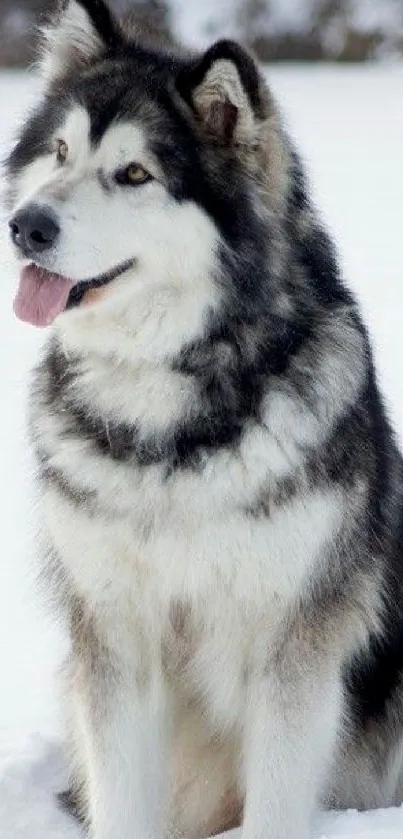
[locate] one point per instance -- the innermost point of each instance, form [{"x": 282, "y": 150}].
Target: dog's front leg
[
  {"x": 291, "y": 726},
  {"x": 124, "y": 724}
]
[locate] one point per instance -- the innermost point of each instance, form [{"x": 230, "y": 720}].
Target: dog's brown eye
[
  {"x": 134, "y": 175},
  {"x": 62, "y": 151}
]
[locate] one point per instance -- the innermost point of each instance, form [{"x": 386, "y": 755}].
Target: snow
[
  {"x": 197, "y": 23},
  {"x": 349, "y": 124},
  {"x": 368, "y": 15}
]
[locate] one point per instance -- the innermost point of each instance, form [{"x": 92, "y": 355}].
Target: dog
[{"x": 221, "y": 496}]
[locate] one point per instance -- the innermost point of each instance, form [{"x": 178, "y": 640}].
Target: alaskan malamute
[{"x": 222, "y": 497}]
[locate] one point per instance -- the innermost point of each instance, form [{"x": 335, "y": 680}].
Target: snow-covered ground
[{"x": 349, "y": 123}]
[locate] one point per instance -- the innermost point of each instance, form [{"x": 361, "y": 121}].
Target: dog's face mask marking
[
  {"x": 95, "y": 214},
  {"x": 108, "y": 179}
]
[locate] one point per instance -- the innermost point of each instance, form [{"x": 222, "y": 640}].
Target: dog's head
[{"x": 139, "y": 170}]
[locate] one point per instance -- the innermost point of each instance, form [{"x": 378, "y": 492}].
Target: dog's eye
[
  {"x": 62, "y": 151},
  {"x": 133, "y": 175}
]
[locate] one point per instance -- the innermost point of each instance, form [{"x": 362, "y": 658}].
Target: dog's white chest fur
[
  {"x": 195, "y": 533},
  {"x": 174, "y": 540}
]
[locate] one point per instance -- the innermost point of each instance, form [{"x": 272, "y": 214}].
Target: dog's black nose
[{"x": 34, "y": 229}]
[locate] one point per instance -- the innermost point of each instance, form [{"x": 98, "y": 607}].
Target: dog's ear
[
  {"x": 81, "y": 32},
  {"x": 224, "y": 90}
]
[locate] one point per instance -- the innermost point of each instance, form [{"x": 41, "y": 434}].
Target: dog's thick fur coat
[{"x": 222, "y": 498}]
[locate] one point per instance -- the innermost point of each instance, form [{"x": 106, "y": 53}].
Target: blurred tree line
[
  {"x": 277, "y": 30},
  {"x": 21, "y": 19}
]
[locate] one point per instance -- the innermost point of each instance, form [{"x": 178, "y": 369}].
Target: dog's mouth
[{"x": 43, "y": 295}]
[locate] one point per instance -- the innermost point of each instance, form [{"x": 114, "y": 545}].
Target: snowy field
[{"x": 349, "y": 123}]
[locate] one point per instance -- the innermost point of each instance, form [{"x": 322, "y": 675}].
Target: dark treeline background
[{"x": 303, "y": 30}]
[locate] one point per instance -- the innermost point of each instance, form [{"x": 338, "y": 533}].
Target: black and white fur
[{"x": 222, "y": 498}]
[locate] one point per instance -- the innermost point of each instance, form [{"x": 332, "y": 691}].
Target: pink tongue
[{"x": 41, "y": 296}]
